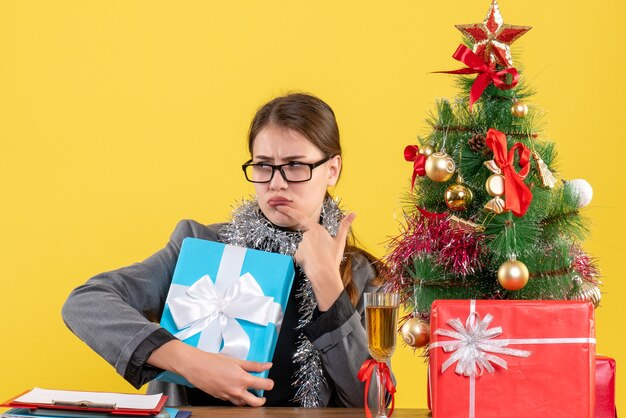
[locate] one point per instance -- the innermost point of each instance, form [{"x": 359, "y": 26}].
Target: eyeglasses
[{"x": 293, "y": 172}]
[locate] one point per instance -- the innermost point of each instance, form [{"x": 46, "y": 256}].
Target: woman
[{"x": 296, "y": 156}]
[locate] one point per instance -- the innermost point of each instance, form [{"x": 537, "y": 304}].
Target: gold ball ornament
[
  {"x": 458, "y": 197},
  {"x": 416, "y": 332},
  {"x": 495, "y": 185},
  {"x": 427, "y": 150},
  {"x": 439, "y": 167},
  {"x": 519, "y": 109},
  {"x": 589, "y": 292},
  {"x": 513, "y": 275}
]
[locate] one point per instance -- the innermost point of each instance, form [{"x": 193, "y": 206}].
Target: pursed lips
[{"x": 278, "y": 201}]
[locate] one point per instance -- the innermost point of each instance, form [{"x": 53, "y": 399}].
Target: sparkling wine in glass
[{"x": 381, "y": 317}]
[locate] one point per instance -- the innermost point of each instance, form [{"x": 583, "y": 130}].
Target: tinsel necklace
[{"x": 250, "y": 228}]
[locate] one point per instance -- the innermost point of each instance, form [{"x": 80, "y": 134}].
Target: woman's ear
[{"x": 334, "y": 169}]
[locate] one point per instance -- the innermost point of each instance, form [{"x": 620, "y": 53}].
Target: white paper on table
[{"x": 121, "y": 400}]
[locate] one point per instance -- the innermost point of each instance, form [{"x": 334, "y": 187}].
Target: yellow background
[{"x": 119, "y": 118}]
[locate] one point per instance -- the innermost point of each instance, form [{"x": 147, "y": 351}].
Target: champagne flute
[{"x": 381, "y": 317}]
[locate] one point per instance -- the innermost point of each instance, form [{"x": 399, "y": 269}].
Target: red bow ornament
[
  {"x": 486, "y": 73},
  {"x": 517, "y": 195},
  {"x": 432, "y": 215},
  {"x": 411, "y": 153},
  {"x": 365, "y": 375}
]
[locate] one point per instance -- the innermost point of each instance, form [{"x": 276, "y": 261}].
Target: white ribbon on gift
[
  {"x": 212, "y": 309},
  {"x": 473, "y": 343}
]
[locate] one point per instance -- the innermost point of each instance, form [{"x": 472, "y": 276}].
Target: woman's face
[{"x": 278, "y": 145}]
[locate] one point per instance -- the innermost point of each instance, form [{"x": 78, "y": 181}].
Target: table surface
[{"x": 216, "y": 411}]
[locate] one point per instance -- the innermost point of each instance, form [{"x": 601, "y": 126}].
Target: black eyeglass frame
[{"x": 279, "y": 167}]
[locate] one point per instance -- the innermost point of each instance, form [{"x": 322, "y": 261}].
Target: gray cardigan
[{"x": 117, "y": 313}]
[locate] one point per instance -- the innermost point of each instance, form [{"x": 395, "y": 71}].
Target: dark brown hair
[
  {"x": 315, "y": 120},
  {"x": 303, "y": 113}
]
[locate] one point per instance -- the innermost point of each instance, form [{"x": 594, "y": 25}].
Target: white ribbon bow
[
  {"x": 212, "y": 309},
  {"x": 473, "y": 345}
]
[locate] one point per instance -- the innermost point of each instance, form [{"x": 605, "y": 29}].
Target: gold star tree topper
[{"x": 492, "y": 37}]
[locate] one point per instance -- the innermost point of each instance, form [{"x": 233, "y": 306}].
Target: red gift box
[
  {"x": 512, "y": 359},
  {"x": 605, "y": 387}
]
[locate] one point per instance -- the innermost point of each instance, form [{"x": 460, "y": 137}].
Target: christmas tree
[{"x": 487, "y": 215}]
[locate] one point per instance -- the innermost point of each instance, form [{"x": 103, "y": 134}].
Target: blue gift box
[{"x": 227, "y": 299}]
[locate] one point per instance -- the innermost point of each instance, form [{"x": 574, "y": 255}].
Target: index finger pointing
[{"x": 344, "y": 227}]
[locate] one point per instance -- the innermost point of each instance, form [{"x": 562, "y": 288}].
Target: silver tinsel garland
[{"x": 250, "y": 228}]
